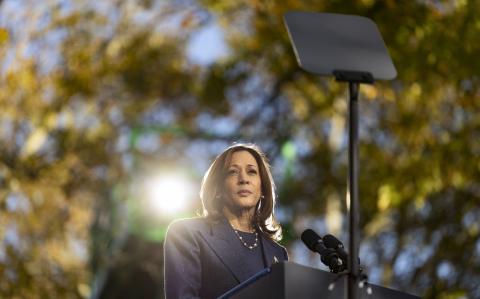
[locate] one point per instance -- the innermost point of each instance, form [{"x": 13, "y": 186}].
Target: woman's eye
[
  {"x": 232, "y": 172},
  {"x": 252, "y": 171}
]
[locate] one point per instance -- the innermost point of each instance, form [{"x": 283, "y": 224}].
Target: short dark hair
[{"x": 213, "y": 184}]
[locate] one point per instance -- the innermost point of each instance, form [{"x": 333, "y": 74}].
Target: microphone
[
  {"x": 334, "y": 243},
  {"x": 328, "y": 256}
]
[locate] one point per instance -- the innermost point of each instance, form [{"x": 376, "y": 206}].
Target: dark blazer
[{"x": 202, "y": 258}]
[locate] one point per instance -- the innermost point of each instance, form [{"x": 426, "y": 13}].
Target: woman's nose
[{"x": 243, "y": 178}]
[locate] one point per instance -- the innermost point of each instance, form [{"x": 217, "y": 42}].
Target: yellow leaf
[
  {"x": 51, "y": 120},
  {"x": 34, "y": 142},
  {"x": 3, "y": 35},
  {"x": 387, "y": 197},
  {"x": 84, "y": 290}
]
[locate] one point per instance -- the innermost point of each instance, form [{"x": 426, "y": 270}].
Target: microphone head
[
  {"x": 328, "y": 256},
  {"x": 310, "y": 239},
  {"x": 332, "y": 242},
  {"x": 335, "y": 244}
]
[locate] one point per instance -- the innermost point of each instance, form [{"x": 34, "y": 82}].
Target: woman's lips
[{"x": 244, "y": 192}]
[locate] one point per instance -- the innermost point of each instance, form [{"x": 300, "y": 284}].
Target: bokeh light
[{"x": 169, "y": 194}]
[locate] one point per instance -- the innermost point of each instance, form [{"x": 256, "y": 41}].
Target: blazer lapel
[
  {"x": 271, "y": 254},
  {"x": 224, "y": 243}
]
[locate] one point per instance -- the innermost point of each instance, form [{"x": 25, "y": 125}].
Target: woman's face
[{"x": 243, "y": 182}]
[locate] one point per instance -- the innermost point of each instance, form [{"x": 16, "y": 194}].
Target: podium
[{"x": 288, "y": 280}]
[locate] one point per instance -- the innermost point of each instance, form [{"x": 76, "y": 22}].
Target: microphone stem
[{"x": 352, "y": 291}]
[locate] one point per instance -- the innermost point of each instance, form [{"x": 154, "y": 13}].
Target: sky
[{"x": 207, "y": 45}]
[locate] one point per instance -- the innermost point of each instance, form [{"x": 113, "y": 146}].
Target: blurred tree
[
  {"x": 94, "y": 94},
  {"x": 76, "y": 79}
]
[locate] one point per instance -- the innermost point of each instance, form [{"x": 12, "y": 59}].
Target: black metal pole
[{"x": 353, "y": 267}]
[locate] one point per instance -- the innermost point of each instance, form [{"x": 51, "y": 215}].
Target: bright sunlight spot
[{"x": 169, "y": 194}]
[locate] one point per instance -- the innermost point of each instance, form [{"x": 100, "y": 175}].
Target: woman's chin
[{"x": 243, "y": 206}]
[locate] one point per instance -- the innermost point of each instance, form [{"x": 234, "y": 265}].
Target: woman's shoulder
[
  {"x": 275, "y": 243},
  {"x": 278, "y": 247},
  {"x": 188, "y": 224}
]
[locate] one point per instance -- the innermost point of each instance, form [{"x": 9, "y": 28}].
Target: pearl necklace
[{"x": 251, "y": 247}]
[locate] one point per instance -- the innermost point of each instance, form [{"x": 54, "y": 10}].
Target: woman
[{"x": 235, "y": 238}]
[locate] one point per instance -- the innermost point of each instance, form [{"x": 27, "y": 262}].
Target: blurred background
[{"x": 111, "y": 112}]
